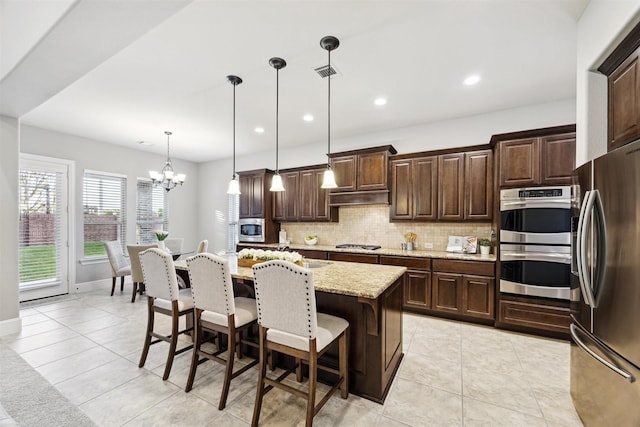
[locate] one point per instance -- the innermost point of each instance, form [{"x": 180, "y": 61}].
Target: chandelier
[{"x": 167, "y": 178}]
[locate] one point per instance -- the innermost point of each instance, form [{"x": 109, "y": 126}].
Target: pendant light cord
[
  {"x": 168, "y": 156},
  {"x": 234, "y": 131},
  {"x": 277, "y": 113},
  {"x": 329, "y": 112}
]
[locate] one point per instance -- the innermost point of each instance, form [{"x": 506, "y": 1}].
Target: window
[
  {"x": 234, "y": 217},
  {"x": 104, "y": 198},
  {"x": 151, "y": 211}
]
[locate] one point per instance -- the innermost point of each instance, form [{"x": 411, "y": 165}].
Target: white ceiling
[{"x": 171, "y": 76}]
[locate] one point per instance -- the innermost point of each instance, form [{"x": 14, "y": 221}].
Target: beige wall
[{"x": 370, "y": 225}]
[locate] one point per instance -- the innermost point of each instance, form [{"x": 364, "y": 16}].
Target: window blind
[
  {"x": 234, "y": 217},
  {"x": 105, "y": 206},
  {"x": 40, "y": 226},
  {"x": 151, "y": 211}
]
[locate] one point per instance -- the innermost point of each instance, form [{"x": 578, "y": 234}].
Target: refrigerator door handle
[
  {"x": 601, "y": 253},
  {"x": 574, "y": 334},
  {"x": 581, "y": 247}
]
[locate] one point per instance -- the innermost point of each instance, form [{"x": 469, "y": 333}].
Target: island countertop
[{"x": 336, "y": 277}]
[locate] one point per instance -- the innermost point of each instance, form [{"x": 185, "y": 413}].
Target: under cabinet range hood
[{"x": 362, "y": 176}]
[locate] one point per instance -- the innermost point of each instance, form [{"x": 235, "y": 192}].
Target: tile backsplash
[{"x": 370, "y": 225}]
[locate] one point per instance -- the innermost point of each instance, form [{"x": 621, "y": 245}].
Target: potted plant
[
  {"x": 485, "y": 246},
  {"x": 161, "y": 236}
]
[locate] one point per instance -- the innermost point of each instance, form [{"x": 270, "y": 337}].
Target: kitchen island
[{"x": 370, "y": 298}]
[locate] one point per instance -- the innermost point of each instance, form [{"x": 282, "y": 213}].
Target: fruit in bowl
[{"x": 311, "y": 240}]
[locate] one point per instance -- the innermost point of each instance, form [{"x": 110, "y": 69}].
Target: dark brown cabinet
[
  {"x": 546, "y": 160},
  {"x": 417, "y": 281},
  {"x": 478, "y": 185},
  {"x": 464, "y": 288},
  {"x": 361, "y": 176},
  {"x": 449, "y": 187},
  {"x": 254, "y": 198},
  {"x": 303, "y": 199},
  {"x": 624, "y": 102},
  {"x": 531, "y": 314},
  {"x": 414, "y": 184},
  {"x": 285, "y": 203}
]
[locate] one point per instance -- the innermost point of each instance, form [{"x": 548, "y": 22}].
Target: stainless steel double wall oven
[{"x": 535, "y": 241}]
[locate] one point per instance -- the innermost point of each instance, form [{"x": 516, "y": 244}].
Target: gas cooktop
[{"x": 356, "y": 246}]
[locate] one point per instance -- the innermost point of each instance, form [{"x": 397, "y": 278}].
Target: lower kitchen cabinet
[
  {"x": 353, "y": 257},
  {"x": 417, "y": 281},
  {"x": 534, "y": 315}
]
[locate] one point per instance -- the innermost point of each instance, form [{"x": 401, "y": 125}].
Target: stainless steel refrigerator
[{"x": 605, "y": 289}]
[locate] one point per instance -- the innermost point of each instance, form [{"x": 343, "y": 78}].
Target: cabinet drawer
[
  {"x": 414, "y": 263},
  {"x": 348, "y": 257},
  {"x": 534, "y": 316},
  {"x": 313, "y": 254},
  {"x": 478, "y": 268}
]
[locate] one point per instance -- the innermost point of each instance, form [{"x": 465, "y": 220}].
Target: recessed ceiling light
[
  {"x": 307, "y": 118},
  {"x": 380, "y": 101},
  {"x": 471, "y": 80},
  {"x": 259, "y": 130},
  {"x": 145, "y": 143}
]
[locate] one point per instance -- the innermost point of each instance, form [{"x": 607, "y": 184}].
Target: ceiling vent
[{"x": 326, "y": 71}]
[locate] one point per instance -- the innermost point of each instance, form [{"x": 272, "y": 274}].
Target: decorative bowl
[{"x": 311, "y": 242}]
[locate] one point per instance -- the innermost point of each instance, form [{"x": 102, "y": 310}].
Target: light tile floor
[{"x": 453, "y": 374}]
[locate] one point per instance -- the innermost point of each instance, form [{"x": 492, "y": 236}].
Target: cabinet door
[
  {"x": 401, "y": 190},
  {"x": 624, "y": 103},
  {"x": 322, "y": 210},
  {"x": 478, "y": 296},
  {"x": 451, "y": 186},
  {"x": 279, "y": 205},
  {"x": 558, "y": 159},
  {"x": 252, "y": 196},
  {"x": 290, "y": 181},
  {"x": 446, "y": 292},
  {"x": 372, "y": 172},
  {"x": 344, "y": 169},
  {"x": 308, "y": 183},
  {"x": 519, "y": 162},
  {"x": 425, "y": 188},
  {"x": 417, "y": 289},
  {"x": 478, "y": 185}
]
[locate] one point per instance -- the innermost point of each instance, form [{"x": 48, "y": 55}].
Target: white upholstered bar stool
[
  {"x": 289, "y": 323},
  {"x": 218, "y": 311},
  {"x": 163, "y": 297}
]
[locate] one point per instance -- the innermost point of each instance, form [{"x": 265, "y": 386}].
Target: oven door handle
[
  {"x": 535, "y": 202},
  {"x": 535, "y": 256}
]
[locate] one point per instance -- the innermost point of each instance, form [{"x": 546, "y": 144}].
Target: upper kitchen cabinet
[
  {"x": 414, "y": 188},
  {"x": 255, "y": 200},
  {"x": 362, "y": 176},
  {"x": 622, "y": 69},
  {"x": 538, "y": 157},
  {"x": 303, "y": 199},
  {"x": 452, "y": 186}
]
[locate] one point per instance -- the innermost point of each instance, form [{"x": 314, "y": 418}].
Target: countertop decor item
[
  {"x": 277, "y": 63},
  {"x": 311, "y": 240},
  {"x": 234, "y": 184},
  {"x": 168, "y": 178},
  {"x": 249, "y": 257},
  {"x": 329, "y": 43}
]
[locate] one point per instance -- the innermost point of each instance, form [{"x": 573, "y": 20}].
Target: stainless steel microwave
[{"x": 251, "y": 230}]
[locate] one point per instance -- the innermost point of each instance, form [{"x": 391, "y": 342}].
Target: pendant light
[
  {"x": 329, "y": 43},
  {"x": 234, "y": 184},
  {"x": 167, "y": 178},
  {"x": 276, "y": 181}
]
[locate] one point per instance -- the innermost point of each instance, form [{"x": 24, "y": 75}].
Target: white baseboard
[{"x": 10, "y": 326}]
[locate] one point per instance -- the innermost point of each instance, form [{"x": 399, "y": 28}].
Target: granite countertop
[
  {"x": 382, "y": 251},
  {"x": 336, "y": 277}
]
